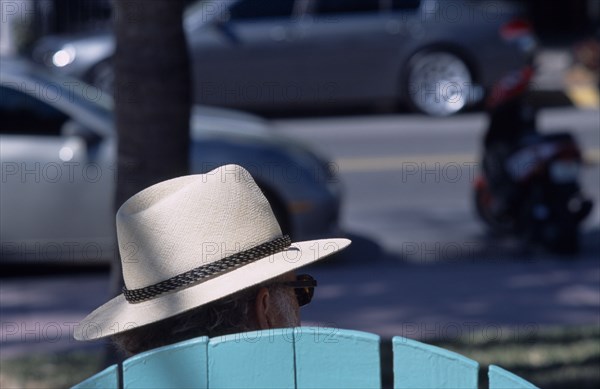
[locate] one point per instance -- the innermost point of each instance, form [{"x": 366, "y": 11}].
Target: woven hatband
[{"x": 191, "y": 277}]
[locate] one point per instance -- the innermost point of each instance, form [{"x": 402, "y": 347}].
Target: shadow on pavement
[
  {"x": 363, "y": 250},
  {"x": 485, "y": 248}
]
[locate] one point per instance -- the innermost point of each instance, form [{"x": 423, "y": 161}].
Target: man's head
[
  {"x": 203, "y": 255},
  {"x": 271, "y": 305}
]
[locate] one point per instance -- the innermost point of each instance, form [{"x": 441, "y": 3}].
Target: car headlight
[{"x": 64, "y": 56}]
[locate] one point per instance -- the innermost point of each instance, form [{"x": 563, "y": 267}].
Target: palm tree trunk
[
  {"x": 152, "y": 93},
  {"x": 152, "y": 98}
]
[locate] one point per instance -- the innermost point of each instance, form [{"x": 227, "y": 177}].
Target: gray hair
[{"x": 229, "y": 315}]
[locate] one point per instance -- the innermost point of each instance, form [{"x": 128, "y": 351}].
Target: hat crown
[{"x": 190, "y": 221}]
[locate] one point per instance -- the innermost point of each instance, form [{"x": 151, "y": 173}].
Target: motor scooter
[{"x": 528, "y": 186}]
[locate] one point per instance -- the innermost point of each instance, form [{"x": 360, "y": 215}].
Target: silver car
[
  {"x": 57, "y": 149},
  {"x": 438, "y": 56}
]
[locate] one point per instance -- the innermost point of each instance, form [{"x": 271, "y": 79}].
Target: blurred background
[{"x": 456, "y": 142}]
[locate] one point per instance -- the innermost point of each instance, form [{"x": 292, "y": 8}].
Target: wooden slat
[
  {"x": 181, "y": 365},
  {"x": 503, "y": 379},
  {"x": 306, "y": 357},
  {"x": 334, "y": 358},
  {"x": 106, "y": 379},
  {"x": 259, "y": 359},
  {"x": 418, "y": 365}
]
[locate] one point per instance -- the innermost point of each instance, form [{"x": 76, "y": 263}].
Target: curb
[{"x": 582, "y": 87}]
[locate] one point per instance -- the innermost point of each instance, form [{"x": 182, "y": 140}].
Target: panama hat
[{"x": 192, "y": 240}]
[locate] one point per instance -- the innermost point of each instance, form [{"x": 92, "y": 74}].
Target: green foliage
[
  {"x": 561, "y": 357},
  {"x": 49, "y": 370}
]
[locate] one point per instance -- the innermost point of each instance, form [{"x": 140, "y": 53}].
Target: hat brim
[{"x": 118, "y": 315}]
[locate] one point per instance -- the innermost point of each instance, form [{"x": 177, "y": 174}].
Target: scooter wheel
[
  {"x": 566, "y": 244},
  {"x": 483, "y": 205}
]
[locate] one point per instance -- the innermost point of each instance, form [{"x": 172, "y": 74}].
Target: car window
[
  {"x": 405, "y": 4},
  {"x": 327, "y": 7},
  {"x": 22, "y": 114},
  {"x": 261, "y": 9}
]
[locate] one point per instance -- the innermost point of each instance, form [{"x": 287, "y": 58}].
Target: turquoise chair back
[{"x": 304, "y": 357}]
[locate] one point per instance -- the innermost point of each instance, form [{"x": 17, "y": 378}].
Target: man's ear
[{"x": 262, "y": 308}]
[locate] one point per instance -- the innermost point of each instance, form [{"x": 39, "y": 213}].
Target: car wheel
[
  {"x": 102, "y": 76},
  {"x": 438, "y": 83}
]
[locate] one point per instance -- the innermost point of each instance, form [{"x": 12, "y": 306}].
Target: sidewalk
[{"x": 452, "y": 299}]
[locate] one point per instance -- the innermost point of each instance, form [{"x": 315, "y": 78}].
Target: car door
[
  {"x": 55, "y": 191},
  {"x": 355, "y": 48},
  {"x": 246, "y": 57}
]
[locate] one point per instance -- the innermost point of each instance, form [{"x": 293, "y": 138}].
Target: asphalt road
[
  {"x": 409, "y": 179},
  {"x": 421, "y": 264}
]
